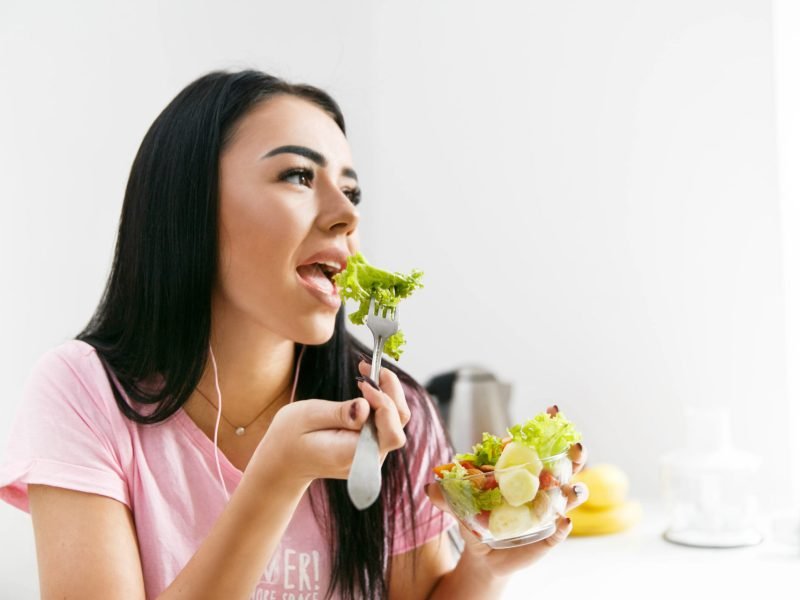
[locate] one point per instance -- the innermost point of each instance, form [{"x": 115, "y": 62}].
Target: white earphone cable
[
  {"x": 216, "y": 426},
  {"x": 219, "y": 410}
]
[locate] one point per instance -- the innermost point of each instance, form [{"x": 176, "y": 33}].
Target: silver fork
[{"x": 364, "y": 480}]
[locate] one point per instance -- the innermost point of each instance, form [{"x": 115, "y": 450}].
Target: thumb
[{"x": 436, "y": 497}]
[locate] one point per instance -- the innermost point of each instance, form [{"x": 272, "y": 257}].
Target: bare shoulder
[{"x": 85, "y": 545}]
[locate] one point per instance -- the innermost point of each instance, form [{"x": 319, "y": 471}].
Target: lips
[{"x": 317, "y": 271}]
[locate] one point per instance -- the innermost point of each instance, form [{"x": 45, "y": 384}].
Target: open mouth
[{"x": 319, "y": 275}]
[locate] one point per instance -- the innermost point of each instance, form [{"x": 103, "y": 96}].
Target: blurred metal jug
[{"x": 479, "y": 403}]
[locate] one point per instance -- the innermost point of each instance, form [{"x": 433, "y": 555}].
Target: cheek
[
  {"x": 258, "y": 243},
  {"x": 251, "y": 246}
]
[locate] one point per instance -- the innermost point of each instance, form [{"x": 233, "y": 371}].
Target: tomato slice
[{"x": 547, "y": 480}]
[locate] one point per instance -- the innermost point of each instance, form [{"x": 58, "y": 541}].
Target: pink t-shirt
[{"x": 70, "y": 433}]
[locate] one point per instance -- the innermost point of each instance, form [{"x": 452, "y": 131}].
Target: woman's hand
[
  {"x": 479, "y": 558},
  {"x": 315, "y": 439}
]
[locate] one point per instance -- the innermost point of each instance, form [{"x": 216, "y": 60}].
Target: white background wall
[
  {"x": 786, "y": 31},
  {"x": 591, "y": 188}
]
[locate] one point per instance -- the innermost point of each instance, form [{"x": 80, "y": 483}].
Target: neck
[{"x": 255, "y": 367}]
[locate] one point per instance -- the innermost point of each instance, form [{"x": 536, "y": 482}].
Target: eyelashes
[
  {"x": 305, "y": 177},
  {"x": 354, "y": 195},
  {"x": 298, "y": 176}
]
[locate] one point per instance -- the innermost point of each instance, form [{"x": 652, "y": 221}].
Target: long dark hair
[{"x": 154, "y": 319}]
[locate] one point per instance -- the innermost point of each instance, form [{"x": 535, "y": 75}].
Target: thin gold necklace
[{"x": 240, "y": 430}]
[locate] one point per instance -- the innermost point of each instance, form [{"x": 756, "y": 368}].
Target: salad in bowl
[{"x": 508, "y": 491}]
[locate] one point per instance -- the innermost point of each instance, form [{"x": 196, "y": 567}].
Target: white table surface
[
  {"x": 640, "y": 564},
  {"x": 637, "y": 564}
]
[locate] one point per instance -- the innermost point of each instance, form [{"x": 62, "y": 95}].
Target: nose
[{"x": 337, "y": 212}]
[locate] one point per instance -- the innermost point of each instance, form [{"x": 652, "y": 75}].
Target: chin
[{"x": 318, "y": 331}]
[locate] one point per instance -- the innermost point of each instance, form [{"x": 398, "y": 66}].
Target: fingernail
[
  {"x": 369, "y": 381},
  {"x": 569, "y": 521},
  {"x": 353, "y": 411},
  {"x": 425, "y": 488},
  {"x": 577, "y": 490},
  {"x": 579, "y": 446}
]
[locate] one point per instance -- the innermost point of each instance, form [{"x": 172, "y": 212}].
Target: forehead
[{"x": 288, "y": 120}]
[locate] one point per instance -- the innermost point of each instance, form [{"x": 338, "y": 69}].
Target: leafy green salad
[
  {"x": 504, "y": 484},
  {"x": 360, "y": 281}
]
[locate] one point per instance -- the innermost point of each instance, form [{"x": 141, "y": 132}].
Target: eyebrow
[{"x": 310, "y": 154}]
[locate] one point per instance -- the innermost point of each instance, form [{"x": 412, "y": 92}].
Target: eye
[
  {"x": 354, "y": 195},
  {"x": 298, "y": 176}
]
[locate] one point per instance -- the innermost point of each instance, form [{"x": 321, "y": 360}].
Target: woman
[{"x": 162, "y": 454}]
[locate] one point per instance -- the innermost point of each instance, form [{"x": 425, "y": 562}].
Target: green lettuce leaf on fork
[{"x": 360, "y": 280}]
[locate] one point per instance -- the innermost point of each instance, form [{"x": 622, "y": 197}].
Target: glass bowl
[{"x": 496, "y": 505}]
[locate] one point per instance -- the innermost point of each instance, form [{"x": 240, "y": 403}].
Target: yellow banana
[
  {"x": 600, "y": 521},
  {"x": 608, "y": 485}
]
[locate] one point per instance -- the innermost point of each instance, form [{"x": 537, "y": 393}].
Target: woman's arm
[
  {"x": 86, "y": 544},
  {"x": 483, "y": 573},
  {"x": 233, "y": 556},
  {"x": 436, "y": 577},
  {"x": 434, "y": 559}
]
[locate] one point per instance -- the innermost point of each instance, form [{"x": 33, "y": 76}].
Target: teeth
[{"x": 330, "y": 264}]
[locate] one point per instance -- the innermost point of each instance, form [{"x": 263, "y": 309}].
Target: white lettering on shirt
[{"x": 290, "y": 570}]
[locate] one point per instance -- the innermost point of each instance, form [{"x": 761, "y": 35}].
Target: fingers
[
  {"x": 436, "y": 497},
  {"x": 391, "y": 386},
  {"x": 576, "y": 494},
  {"x": 387, "y": 419},
  {"x": 563, "y": 527},
  {"x": 576, "y": 452},
  {"x": 578, "y": 456},
  {"x": 324, "y": 414},
  {"x": 337, "y": 446}
]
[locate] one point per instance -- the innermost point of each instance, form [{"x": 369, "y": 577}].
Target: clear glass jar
[{"x": 709, "y": 487}]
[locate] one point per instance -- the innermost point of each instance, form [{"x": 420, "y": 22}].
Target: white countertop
[{"x": 639, "y": 564}]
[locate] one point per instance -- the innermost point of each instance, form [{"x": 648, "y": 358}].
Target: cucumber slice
[
  {"x": 515, "y": 454},
  {"x": 517, "y": 485},
  {"x": 507, "y": 521}
]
